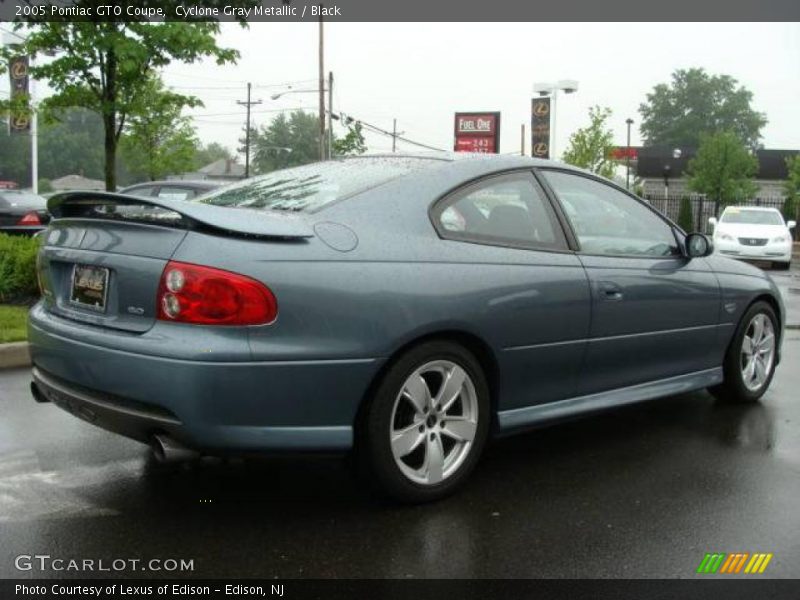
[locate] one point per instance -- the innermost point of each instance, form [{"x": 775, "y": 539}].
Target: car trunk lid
[{"x": 103, "y": 254}]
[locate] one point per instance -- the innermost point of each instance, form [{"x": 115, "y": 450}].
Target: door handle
[{"x": 610, "y": 291}]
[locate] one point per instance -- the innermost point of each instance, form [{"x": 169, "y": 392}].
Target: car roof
[
  {"x": 468, "y": 165},
  {"x": 469, "y": 157}
]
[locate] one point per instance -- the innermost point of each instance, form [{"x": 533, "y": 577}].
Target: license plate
[{"x": 89, "y": 287}]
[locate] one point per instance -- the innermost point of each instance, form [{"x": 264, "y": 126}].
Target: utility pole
[
  {"x": 395, "y": 134},
  {"x": 522, "y": 140},
  {"x": 248, "y": 104},
  {"x": 321, "y": 89},
  {"x": 330, "y": 115}
]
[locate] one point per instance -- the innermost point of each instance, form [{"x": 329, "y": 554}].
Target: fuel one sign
[{"x": 477, "y": 132}]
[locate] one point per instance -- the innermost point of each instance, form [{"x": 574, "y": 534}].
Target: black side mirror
[{"x": 698, "y": 245}]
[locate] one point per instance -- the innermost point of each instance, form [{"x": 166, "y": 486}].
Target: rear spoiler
[{"x": 236, "y": 220}]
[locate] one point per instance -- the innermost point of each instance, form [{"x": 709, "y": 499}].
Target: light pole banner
[
  {"x": 540, "y": 127},
  {"x": 19, "y": 120}
]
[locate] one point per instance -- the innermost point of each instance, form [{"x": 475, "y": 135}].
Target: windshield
[
  {"x": 22, "y": 200},
  {"x": 752, "y": 217},
  {"x": 311, "y": 187}
]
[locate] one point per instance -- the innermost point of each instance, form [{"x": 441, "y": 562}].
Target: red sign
[
  {"x": 623, "y": 152},
  {"x": 475, "y": 143},
  {"x": 477, "y": 132}
]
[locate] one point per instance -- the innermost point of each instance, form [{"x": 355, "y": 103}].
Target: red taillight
[
  {"x": 194, "y": 294},
  {"x": 31, "y": 218}
]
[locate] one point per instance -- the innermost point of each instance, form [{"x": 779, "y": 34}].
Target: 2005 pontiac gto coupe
[{"x": 405, "y": 307}]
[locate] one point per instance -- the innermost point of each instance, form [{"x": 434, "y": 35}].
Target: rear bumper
[{"x": 212, "y": 406}]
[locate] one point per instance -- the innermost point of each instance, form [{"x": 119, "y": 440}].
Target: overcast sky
[{"x": 421, "y": 73}]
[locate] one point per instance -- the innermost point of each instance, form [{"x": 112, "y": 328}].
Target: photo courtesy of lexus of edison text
[{"x": 443, "y": 299}]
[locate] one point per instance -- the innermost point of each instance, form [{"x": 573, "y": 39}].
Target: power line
[
  {"x": 241, "y": 82},
  {"x": 381, "y": 131},
  {"x": 14, "y": 33},
  {"x": 235, "y": 114}
]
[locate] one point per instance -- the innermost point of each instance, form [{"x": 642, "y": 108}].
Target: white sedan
[{"x": 754, "y": 233}]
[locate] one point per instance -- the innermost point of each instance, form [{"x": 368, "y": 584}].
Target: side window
[
  {"x": 607, "y": 221},
  {"x": 142, "y": 191},
  {"x": 503, "y": 210}
]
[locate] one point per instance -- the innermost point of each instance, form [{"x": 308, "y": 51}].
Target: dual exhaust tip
[{"x": 165, "y": 449}]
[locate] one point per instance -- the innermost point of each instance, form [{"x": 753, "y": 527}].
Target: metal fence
[{"x": 703, "y": 208}]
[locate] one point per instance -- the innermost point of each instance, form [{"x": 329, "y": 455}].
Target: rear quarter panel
[{"x": 402, "y": 282}]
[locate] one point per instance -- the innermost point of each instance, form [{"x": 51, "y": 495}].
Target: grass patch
[{"x": 13, "y": 324}]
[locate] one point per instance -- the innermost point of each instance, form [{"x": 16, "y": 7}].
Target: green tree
[
  {"x": 590, "y": 146},
  {"x": 685, "y": 218},
  {"x": 352, "y": 143},
  {"x": 723, "y": 169},
  {"x": 695, "y": 103},
  {"x": 287, "y": 141},
  {"x": 209, "y": 153},
  {"x": 103, "y": 66},
  {"x": 158, "y": 140},
  {"x": 70, "y": 141},
  {"x": 791, "y": 188}
]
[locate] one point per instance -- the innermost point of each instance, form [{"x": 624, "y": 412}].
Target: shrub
[
  {"x": 18, "y": 268},
  {"x": 685, "y": 219},
  {"x": 45, "y": 186}
]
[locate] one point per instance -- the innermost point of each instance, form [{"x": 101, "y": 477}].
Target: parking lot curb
[{"x": 14, "y": 354}]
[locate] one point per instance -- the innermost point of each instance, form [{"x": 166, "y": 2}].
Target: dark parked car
[
  {"x": 22, "y": 212},
  {"x": 171, "y": 189},
  {"x": 406, "y": 307}
]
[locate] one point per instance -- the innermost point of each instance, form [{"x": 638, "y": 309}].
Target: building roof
[
  {"x": 77, "y": 182},
  {"x": 653, "y": 160}
]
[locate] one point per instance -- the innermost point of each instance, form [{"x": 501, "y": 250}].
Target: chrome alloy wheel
[
  {"x": 434, "y": 422},
  {"x": 758, "y": 352}
]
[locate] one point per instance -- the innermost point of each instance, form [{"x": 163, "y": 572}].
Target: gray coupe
[{"x": 404, "y": 307}]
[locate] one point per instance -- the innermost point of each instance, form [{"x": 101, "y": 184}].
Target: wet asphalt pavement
[{"x": 644, "y": 491}]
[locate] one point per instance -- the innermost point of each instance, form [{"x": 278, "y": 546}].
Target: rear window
[
  {"x": 22, "y": 200},
  {"x": 311, "y": 187}
]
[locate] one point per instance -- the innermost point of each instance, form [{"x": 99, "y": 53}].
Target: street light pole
[
  {"x": 321, "y": 89},
  {"x": 330, "y": 115},
  {"x": 553, "y": 140},
  {"x": 34, "y": 136},
  {"x": 629, "y": 122}
]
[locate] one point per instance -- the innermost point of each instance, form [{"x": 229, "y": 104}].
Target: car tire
[
  {"x": 740, "y": 385},
  {"x": 781, "y": 266},
  {"x": 407, "y": 447}
]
